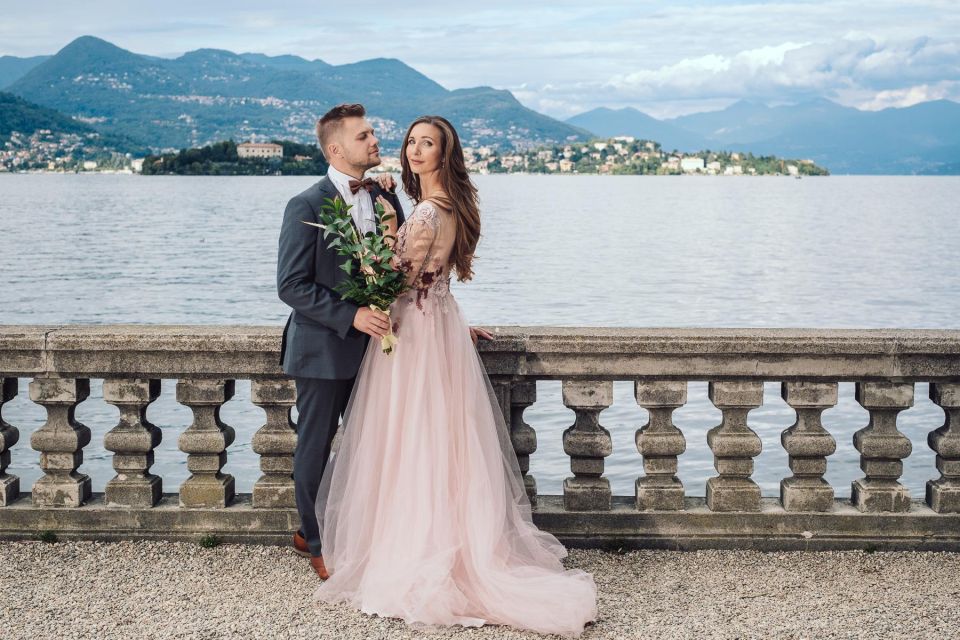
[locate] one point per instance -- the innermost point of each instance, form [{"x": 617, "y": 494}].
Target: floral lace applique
[{"x": 416, "y": 248}]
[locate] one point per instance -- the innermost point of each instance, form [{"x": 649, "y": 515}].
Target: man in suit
[{"x": 325, "y": 337}]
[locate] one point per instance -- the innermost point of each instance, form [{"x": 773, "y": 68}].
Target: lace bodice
[{"x": 424, "y": 244}]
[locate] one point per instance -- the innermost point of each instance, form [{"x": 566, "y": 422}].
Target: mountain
[
  {"x": 17, "y": 114},
  {"x": 923, "y": 138},
  {"x": 211, "y": 94},
  {"x": 284, "y": 62},
  {"x": 745, "y": 122},
  {"x": 628, "y": 121},
  {"x": 909, "y": 140},
  {"x": 13, "y": 68}
]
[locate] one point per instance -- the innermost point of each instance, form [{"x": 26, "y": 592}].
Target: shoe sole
[{"x": 305, "y": 554}]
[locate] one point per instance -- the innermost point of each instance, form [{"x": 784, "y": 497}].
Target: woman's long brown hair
[{"x": 461, "y": 193}]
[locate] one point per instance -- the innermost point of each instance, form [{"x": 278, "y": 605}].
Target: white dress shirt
[{"x": 362, "y": 201}]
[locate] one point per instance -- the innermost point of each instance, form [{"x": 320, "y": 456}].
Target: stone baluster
[
  {"x": 206, "y": 441},
  {"x": 132, "y": 442},
  {"x": 275, "y": 441},
  {"x": 9, "y": 435},
  {"x": 60, "y": 442},
  {"x": 587, "y": 443},
  {"x": 808, "y": 444},
  {"x": 523, "y": 393},
  {"x": 882, "y": 447},
  {"x": 501, "y": 391},
  {"x": 734, "y": 446},
  {"x": 943, "y": 495},
  {"x": 659, "y": 441}
]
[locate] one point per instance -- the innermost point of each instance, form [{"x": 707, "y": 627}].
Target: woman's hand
[
  {"x": 388, "y": 210},
  {"x": 476, "y": 333},
  {"x": 387, "y": 183}
]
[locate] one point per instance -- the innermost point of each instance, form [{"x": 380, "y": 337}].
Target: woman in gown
[{"x": 422, "y": 511}]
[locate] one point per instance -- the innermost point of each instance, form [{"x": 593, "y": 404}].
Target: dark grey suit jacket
[{"x": 319, "y": 340}]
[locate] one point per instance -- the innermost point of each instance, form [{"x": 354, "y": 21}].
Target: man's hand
[
  {"x": 387, "y": 183},
  {"x": 373, "y": 323},
  {"x": 478, "y": 333}
]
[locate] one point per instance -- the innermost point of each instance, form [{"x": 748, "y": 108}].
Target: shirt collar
[{"x": 340, "y": 179}]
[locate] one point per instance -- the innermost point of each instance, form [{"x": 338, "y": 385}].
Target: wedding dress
[{"x": 422, "y": 511}]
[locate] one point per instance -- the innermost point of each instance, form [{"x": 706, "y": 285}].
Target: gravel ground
[{"x": 159, "y": 590}]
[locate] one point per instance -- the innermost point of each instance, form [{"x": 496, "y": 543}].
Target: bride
[{"x": 422, "y": 512}]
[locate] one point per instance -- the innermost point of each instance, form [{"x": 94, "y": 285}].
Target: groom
[{"x": 325, "y": 337}]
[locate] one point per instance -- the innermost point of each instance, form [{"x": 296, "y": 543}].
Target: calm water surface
[{"x": 556, "y": 250}]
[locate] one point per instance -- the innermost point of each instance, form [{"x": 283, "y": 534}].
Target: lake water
[{"x": 856, "y": 252}]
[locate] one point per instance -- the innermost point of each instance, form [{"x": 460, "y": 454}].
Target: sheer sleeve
[{"x": 416, "y": 246}]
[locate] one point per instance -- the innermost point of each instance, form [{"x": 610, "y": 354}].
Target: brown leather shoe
[
  {"x": 300, "y": 545},
  {"x": 317, "y": 563}
]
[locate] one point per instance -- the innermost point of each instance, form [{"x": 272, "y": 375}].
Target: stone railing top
[
  {"x": 696, "y": 341},
  {"x": 252, "y": 351}
]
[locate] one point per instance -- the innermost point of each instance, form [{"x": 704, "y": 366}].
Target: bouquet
[{"x": 378, "y": 281}]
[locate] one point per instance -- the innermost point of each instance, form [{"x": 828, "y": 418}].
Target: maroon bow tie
[{"x": 366, "y": 183}]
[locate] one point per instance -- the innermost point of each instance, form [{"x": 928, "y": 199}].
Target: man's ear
[{"x": 333, "y": 150}]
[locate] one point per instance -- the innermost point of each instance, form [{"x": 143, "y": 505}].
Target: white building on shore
[{"x": 259, "y": 150}]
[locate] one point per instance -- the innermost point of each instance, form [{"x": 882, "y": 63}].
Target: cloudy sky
[{"x": 562, "y": 57}]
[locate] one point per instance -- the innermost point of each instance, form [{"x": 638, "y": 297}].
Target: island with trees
[{"x": 279, "y": 158}]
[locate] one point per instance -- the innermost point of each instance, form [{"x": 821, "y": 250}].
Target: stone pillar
[
  {"x": 660, "y": 442},
  {"x": 501, "y": 391},
  {"x": 943, "y": 495},
  {"x": 275, "y": 441},
  {"x": 60, "y": 442},
  {"x": 587, "y": 443},
  {"x": 9, "y": 435},
  {"x": 206, "y": 442},
  {"x": 882, "y": 447},
  {"x": 808, "y": 445},
  {"x": 523, "y": 393},
  {"x": 132, "y": 442},
  {"x": 734, "y": 446}
]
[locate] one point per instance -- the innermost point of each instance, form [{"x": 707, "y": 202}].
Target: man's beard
[{"x": 368, "y": 163}]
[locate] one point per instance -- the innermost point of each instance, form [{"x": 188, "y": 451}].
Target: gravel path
[{"x": 159, "y": 590}]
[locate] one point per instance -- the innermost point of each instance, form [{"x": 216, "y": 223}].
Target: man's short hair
[{"x": 332, "y": 120}]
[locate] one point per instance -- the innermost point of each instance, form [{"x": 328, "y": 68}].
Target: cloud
[
  {"x": 912, "y": 95},
  {"x": 793, "y": 68},
  {"x": 859, "y": 69}
]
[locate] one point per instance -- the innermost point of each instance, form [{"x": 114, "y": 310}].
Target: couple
[{"x": 421, "y": 514}]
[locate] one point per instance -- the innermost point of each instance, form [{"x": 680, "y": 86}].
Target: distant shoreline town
[
  {"x": 626, "y": 155},
  {"x": 46, "y": 152}
]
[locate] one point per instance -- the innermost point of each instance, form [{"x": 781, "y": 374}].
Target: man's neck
[{"x": 353, "y": 172}]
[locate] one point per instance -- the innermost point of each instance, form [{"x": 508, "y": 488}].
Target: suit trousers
[{"x": 320, "y": 404}]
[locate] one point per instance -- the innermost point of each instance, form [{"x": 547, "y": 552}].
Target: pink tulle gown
[{"x": 422, "y": 511}]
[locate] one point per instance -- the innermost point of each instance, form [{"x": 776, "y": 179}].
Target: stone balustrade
[{"x": 56, "y": 363}]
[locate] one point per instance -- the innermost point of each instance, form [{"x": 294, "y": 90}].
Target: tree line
[{"x": 222, "y": 159}]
